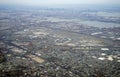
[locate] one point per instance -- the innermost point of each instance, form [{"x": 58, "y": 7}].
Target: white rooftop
[
  {"x": 101, "y": 58},
  {"x": 105, "y": 49}
]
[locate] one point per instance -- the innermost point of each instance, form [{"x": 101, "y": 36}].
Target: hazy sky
[{"x": 55, "y": 2}]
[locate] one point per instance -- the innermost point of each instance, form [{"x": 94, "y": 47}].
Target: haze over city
[
  {"x": 59, "y": 38},
  {"x": 59, "y": 2}
]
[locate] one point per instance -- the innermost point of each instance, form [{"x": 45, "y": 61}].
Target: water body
[
  {"x": 100, "y": 24},
  {"x": 90, "y": 23}
]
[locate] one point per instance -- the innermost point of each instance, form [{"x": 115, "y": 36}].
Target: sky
[{"x": 58, "y": 2}]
